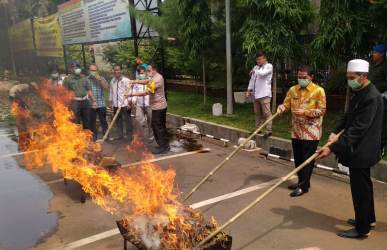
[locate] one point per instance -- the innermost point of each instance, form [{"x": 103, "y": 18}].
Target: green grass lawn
[{"x": 191, "y": 105}]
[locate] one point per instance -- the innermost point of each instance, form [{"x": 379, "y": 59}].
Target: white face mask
[
  {"x": 55, "y": 76},
  {"x": 77, "y": 71}
]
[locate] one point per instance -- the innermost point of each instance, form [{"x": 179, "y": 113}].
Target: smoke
[{"x": 146, "y": 227}]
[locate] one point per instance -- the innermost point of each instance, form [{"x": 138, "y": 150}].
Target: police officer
[{"x": 359, "y": 146}]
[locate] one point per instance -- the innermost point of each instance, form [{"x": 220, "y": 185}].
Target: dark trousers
[
  {"x": 384, "y": 131},
  {"x": 159, "y": 128},
  {"x": 363, "y": 198},
  {"x": 124, "y": 119},
  {"x": 302, "y": 150},
  {"x": 81, "y": 111},
  {"x": 101, "y": 112}
]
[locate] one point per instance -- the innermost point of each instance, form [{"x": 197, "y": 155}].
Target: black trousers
[
  {"x": 363, "y": 198},
  {"x": 101, "y": 113},
  {"x": 159, "y": 128},
  {"x": 81, "y": 111},
  {"x": 124, "y": 119},
  {"x": 302, "y": 150},
  {"x": 384, "y": 131}
]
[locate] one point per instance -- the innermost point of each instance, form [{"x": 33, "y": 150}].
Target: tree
[
  {"x": 378, "y": 12},
  {"x": 275, "y": 27},
  {"x": 188, "y": 21},
  {"x": 345, "y": 32},
  {"x": 195, "y": 31}
]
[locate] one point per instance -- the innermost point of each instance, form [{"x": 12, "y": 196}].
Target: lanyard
[{"x": 117, "y": 82}]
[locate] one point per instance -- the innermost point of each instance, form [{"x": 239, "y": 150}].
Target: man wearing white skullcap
[{"x": 359, "y": 146}]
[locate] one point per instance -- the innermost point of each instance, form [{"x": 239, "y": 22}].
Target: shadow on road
[{"x": 298, "y": 218}]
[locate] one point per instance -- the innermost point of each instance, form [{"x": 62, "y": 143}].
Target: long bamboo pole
[
  {"x": 105, "y": 136},
  {"x": 236, "y": 150},
  {"x": 261, "y": 197},
  {"x": 6, "y": 135},
  {"x": 17, "y": 154},
  {"x": 100, "y": 141},
  {"x": 200, "y": 151}
]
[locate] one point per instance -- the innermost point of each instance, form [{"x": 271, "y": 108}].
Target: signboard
[
  {"x": 94, "y": 21},
  {"x": 48, "y": 39},
  {"x": 22, "y": 37}
]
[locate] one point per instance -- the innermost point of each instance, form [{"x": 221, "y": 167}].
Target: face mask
[
  {"x": 55, "y": 76},
  {"x": 354, "y": 84},
  {"x": 93, "y": 73},
  {"x": 77, "y": 71},
  {"x": 303, "y": 82},
  {"x": 141, "y": 76}
]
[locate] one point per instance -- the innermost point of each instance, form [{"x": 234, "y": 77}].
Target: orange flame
[{"x": 131, "y": 193}]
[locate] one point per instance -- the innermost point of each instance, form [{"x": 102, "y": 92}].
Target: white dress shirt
[
  {"x": 142, "y": 101},
  {"x": 260, "y": 81},
  {"x": 118, "y": 89}
]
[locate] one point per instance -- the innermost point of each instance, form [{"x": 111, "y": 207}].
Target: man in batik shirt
[{"x": 307, "y": 102}]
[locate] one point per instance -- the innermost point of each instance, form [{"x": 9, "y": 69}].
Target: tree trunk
[
  {"x": 204, "y": 80},
  {"x": 274, "y": 99}
]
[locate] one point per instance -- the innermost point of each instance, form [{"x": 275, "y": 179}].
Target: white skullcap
[{"x": 358, "y": 65}]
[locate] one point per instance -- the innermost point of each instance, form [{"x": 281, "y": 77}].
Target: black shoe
[
  {"x": 293, "y": 186},
  {"x": 160, "y": 150},
  {"x": 352, "y": 222},
  {"x": 298, "y": 192},
  {"x": 352, "y": 234},
  {"x": 267, "y": 135}
]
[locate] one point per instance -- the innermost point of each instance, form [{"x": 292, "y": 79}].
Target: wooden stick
[
  {"x": 6, "y": 135},
  {"x": 220, "y": 165},
  {"x": 203, "y": 150},
  {"x": 110, "y": 126},
  {"x": 17, "y": 154},
  {"x": 261, "y": 197}
]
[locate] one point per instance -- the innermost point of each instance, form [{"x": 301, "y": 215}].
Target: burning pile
[{"x": 143, "y": 196}]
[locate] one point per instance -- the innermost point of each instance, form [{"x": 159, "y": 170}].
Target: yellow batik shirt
[{"x": 312, "y": 100}]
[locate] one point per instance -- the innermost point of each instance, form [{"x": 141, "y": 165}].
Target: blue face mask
[
  {"x": 303, "y": 82},
  {"x": 141, "y": 77},
  {"x": 354, "y": 84}
]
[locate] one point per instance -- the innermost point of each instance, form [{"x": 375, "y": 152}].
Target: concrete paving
[{"x": 279, "y": 222}]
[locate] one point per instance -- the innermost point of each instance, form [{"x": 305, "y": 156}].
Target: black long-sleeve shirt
[
  {"x": 360, "y": 144},
  {"x": 378, "y": 75}
]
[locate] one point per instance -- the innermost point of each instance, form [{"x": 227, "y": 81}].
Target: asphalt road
[{"x": 279, "y": 222}]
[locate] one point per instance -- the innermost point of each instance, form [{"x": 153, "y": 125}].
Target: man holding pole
[
  {"x": 158, "y": 103},
  {"x": 98, "y": 86},
  {"x": 307, "y": 102},
  {"x": 359, "y": 146},
  {"x": 81, "y": 87},
  {"x": 260, "y": 88},
  {"x": 119, "y": 88}
]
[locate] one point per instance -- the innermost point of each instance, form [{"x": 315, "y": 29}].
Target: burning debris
[
  {"x": 144, "y": 196},
  {"x": 178, "y": 235}
]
